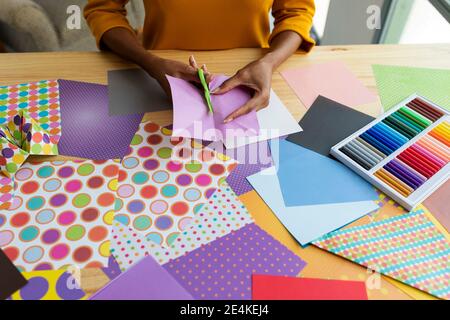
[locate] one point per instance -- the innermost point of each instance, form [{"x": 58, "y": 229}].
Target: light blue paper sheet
[
  {"x": 307, "y": 223},
  {"x": 309, "y": 178}
]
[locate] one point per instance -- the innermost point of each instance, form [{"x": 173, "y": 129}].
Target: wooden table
[{"x": 93, "y": 67}]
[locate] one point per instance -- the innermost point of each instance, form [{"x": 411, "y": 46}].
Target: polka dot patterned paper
[
  {"x": 164, "y": 181},
  {"x": 49, "y": 285},
  {"x": 222, "y": 214},
  {"x": 39, "y": 99},
  {"x": 21, "y": 137},
  {"x": 222, "y": 269},
  {"x": 6, "y": 193},
  {"x": 408, "y": 248},
  {"x": 61, "y": 215}
]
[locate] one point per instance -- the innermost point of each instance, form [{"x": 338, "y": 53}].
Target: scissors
[{"x": 207, "y": 94}]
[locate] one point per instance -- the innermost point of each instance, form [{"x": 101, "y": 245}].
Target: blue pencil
[{"x": 376, "y": 144}]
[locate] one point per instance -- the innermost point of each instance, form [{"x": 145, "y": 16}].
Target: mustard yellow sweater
[{"x": 206, "y": 24}]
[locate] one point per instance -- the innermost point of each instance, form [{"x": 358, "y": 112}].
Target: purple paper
[
  {"x": 193, "y": 120},
  {"x": 113, "y": 268},
  {"x": 145, "y": 280},
  {"x": 222, "y": 269},
  {"x": 252, "y": 159},
  {"x": 88, "y": 131}
]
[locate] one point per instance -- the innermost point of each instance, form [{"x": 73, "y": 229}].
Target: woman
[{"x": 207, "y": 25}]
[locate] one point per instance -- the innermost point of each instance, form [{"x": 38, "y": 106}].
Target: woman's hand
[
  {"x": 256, "y": 76},
  {"x": 158, "y": 68}
]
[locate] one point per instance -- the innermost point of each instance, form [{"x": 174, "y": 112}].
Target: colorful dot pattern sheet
[
  {"x": 408, "y": 248},
  {"x": 61, "y": 215},
  {"x": 164, "y": 181},
  {"x": 41, "y": 101},
  {"x": 222, "y": 214},
  {"x": 50, "y": 285},
  {"x": 6, "y": 192},
  {"x": 222, "y": 269}
]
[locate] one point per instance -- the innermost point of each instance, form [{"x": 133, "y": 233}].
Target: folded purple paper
[
  {"x": 192, "y": 118},
  {"x": 146, "y": 280}
]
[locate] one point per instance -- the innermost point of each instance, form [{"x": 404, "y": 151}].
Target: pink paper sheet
[
  {"x": 192, "y": 119},
  {"x": 332, "y": 80}
]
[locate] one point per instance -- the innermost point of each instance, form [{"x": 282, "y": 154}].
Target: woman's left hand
[{"x": 256, "y": 76}]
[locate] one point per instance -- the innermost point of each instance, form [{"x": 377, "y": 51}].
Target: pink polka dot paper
[
  {"x": 40, "y": 100},
  {"x": 61, "y": 215},
  {"x": 222, "y": 269},
  {"x": 164, "y": 181}
]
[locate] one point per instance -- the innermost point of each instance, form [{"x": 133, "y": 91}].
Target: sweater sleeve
[
  {"x": 104, "y": 15},
  {"x": 294, "y": 15}
]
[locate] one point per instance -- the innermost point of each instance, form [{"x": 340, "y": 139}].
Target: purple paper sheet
[
  {"x": 222, "y": 269},
  {"x": 87, "y": 129},
  {"x": 146, "y": 280},
  {"x": 193, "y": 120},
  {"x": 252, "y": 159}
]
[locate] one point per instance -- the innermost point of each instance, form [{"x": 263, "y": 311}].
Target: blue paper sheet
[
  {"x": 309, "y": 178},
  {"x": 307, "y": 223}
]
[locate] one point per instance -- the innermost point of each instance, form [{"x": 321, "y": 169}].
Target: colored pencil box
[{"x": 405, "y": 152}]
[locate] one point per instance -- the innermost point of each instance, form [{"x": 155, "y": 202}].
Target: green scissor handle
[{"x": 201, "y": 75}]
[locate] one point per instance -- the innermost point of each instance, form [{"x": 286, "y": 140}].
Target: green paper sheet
[{"x": 396, "y": 83}]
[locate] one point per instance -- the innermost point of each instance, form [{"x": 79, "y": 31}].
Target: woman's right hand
[{"x": 158, "y": 68}]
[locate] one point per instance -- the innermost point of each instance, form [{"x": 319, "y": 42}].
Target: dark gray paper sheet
[
  {"x": 327, "y": 123},
  {"x": 11, "y": 279},
  {"x": 133, "y": 91}
]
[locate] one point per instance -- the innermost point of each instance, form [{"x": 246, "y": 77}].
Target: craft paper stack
[{"x": 309, "y": 192}]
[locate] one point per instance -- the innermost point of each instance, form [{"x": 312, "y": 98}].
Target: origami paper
[
  {"x": 129, "y": 246},
  {"x": 306, "y": 223},
  {"x": 89, "y": 132},
  {"x": 267, "y": 287},
  {"x": 61, "y": 215},
  {"x": 309, "y": 178},
  {"x": 6, "y": 192},
  {"x": 438, "y": 204},
  {"x": 192, "y": 118},
  {"x": 146, "y": 280},
  {"x": 222, "y": 269},
  {"x": 164, "y": 181},
  {"x": 332, "y": 79},
  {"x": 222, "y": 214},
  {"x": 394, "y": 83},
  {"x": 326, "y": 123},
  {"x": 19, "y": 138},
  {"x": 11, "y": 279},
  {"x": 39, "y": 99},
  {"x": 275, "y": 121},
  {"x": 133, "y": 91},
  {"x": 408, "y": 248},
  {"x": 49, "y": 285}
]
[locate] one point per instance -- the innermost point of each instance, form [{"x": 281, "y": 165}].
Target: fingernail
[
  {"x": 215, "y": 90},
  {"x": 227, "y": 120}
]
